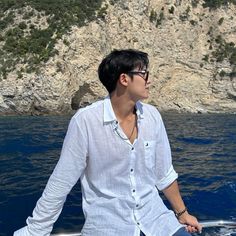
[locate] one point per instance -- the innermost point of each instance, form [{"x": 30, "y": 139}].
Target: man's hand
[
  {"x": 173, "y": 195},
  {"x": 191, "y": 222}
]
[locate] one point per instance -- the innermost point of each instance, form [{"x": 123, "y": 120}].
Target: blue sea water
[{"x": 204, "y": 155}]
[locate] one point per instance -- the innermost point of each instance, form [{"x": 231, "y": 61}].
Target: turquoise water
[{"x": 204, "y": 155}]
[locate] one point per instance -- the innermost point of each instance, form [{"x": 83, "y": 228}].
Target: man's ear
[{"x": 123, "y": 79}]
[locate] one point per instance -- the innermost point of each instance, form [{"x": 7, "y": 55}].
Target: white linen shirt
[{"x": 119, "y": 180}]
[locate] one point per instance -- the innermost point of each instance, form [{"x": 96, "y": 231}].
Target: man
[{"x": 119, "y": 149}]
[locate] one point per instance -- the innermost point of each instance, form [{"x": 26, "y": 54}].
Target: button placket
[
  {"x": 132, "y": 169},
  {"x": 132, "y": 176},
  {"x": 136, "y": 219}
]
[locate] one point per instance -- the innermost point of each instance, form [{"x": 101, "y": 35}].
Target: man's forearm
[{"x": 173, "y": 196}]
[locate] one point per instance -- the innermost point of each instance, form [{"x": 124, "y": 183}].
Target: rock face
[{"x": 181, "y": 42}]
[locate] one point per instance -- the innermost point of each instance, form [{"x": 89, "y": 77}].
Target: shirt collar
[
  {"x": 139, "y": 110},
  {"x": 109, "y": 114}
]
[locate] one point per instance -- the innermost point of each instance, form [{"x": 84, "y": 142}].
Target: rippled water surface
[{"x": 204, "y": 155}]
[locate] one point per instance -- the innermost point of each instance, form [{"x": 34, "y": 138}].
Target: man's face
[{"x": 139, "y": 83}]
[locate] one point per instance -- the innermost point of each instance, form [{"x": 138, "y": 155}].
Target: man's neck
[{"x": 123, "y": 107}]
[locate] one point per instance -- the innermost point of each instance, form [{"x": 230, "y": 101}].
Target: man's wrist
[{"x": 180, "y": 213}]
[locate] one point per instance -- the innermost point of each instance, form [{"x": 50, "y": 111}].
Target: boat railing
[{"x": 206, "y": 224}]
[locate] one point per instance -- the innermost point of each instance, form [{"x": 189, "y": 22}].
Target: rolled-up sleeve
[
  {"x": 169, "y": 178},
  {"x": 68, "y": 170},
  {"x": 164, "y": 169}
]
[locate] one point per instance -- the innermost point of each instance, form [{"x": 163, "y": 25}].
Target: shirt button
[
  {"x": 132, "y": 170},
  {"x": 138, "y": 223},
  {"x": 133, "y": 190},
  {"x": 137, "y": 205},
  {"x": 132, "y": 148}
]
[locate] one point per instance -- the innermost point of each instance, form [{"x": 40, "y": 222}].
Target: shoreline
[{"x": 71, "y": 113}]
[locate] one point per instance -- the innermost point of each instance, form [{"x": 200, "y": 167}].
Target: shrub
[
  {"x": 232, "y": 74},
  {"x": 153, "y": 16},
  {"x": 28, "y": 15},
  {"x": 194, "y": 3},
  {"x": 160, "y": 19},
  {"x": 225, "y": 51},
  {"x": 219, "y": 40},
  {"x": 214, "y": 4},
  {"x": 232, "y": 58},
  {"x": 112, "y": 2},
  {"x": 221, "y": 21},
  {"x": 210, "y": 30},
  {"x": 171, "y": 10},
  {"x": 66, "y": 42},
  {"x": 185, "y": 15},
  {"x": 222, "y": 73},
  {"x": 205, "y": 58},
  {"x": 7, "y": 20},
  {"x": 193, "y": 22},
  {"x": 22, "y": 25},
  {"x": 102, "y": 12},
  {"x": 155, "y": 19},
  {"x": 19, "y": 74}
]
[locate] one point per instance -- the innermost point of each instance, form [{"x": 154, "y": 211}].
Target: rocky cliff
[{"x": 192, "y": 59}]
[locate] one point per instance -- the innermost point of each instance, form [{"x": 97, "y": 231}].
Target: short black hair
[{"x": 118, "y": 62}]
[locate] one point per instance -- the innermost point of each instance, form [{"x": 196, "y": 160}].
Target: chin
[{"x": 144, "y": 97}]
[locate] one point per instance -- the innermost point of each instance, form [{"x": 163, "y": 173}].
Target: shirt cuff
[
  {"x": 22, "y": 232},
  {"x": 169, "y": 178}
]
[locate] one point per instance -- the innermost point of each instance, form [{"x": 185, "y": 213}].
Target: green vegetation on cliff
[
  {"x": 219, "y": 49},
  {"x": 213, "y": 4},
  {"x": 29, "y": 29}
]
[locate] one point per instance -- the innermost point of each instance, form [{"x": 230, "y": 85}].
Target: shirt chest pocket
[{"x": 150, "y": 153}]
